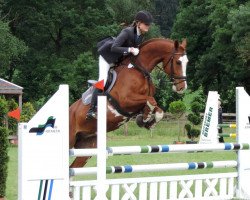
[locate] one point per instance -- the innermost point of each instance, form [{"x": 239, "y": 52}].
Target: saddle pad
[{"x": 87, "y": 96}]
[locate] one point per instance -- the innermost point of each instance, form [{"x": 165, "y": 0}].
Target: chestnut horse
[{"x": 133, "y": 92}]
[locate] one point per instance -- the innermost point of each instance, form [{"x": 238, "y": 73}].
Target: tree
[
  {"x": 56, "y": 35},
  {"x": 124, "y": 11},
  {"x": 213, "y": 45},
  {"x": 191, "y": 23},
  {"x": 165, "y": 15},
  {"x": 11, "y": 52},
  {"x": 60, "y": 36},
  {"x": 239, "y": 20}
]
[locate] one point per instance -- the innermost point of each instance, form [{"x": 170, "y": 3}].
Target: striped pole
[
  {"x": 128, "y": 150},
  {"x": 226, "y": 125},
  {"x": 155, "y": 167},
  {"x": 231, "y": 135}
]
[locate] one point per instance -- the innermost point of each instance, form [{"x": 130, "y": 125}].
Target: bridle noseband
[{"x": 173, "y": 77}]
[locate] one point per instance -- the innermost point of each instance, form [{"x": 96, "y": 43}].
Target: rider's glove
[{"x": 134, "y": 51}]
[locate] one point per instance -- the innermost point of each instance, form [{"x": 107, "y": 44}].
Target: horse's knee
[{"x": 151, "y": 103}]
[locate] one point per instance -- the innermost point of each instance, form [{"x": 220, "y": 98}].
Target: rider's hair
[{"x": 134, "y": 23}]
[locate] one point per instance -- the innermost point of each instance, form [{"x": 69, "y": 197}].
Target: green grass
[
  {"x": 164, "y": 133},
  {"x": 12, "y": 180}
]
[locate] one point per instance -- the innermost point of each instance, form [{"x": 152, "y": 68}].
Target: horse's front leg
[
  {"x": 152, "y": 110},
  {"x": 148, "y": 110},
  {"x": 152, "y": 114}
]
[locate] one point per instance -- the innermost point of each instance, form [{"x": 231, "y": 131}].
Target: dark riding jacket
[{"x": 113, "y": 49}]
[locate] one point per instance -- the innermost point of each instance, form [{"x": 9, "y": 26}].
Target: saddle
[{"x": 87, "y": 96}]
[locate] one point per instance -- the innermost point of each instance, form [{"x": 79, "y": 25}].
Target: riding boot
[{"x": 91, "y": 114}]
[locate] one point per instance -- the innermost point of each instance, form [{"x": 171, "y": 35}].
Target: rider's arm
[{"x": 119, "y": 41}]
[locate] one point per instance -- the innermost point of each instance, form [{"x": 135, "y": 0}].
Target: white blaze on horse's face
[{"x": 184, "y": 60}]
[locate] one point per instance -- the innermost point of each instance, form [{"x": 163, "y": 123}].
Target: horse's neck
[{"x": 152, "y": 55}]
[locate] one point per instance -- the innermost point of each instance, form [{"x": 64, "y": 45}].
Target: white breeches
[{"x": 103, "y": 69}]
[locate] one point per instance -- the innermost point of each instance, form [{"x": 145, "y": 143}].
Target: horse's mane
[{"x": 154, "y": 40}]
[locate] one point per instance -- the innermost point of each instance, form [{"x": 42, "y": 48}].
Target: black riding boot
[{"x": 91, "y": 114}]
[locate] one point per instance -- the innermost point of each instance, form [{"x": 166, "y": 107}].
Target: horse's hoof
[
  {"x": 150, "y": 124},
  {"x": 139, "y": 121}
]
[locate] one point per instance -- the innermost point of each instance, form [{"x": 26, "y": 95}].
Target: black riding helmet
[{"x": 144, "y": 16}]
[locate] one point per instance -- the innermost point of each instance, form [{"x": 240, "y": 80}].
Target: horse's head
[{"x": 175, "y": 66}]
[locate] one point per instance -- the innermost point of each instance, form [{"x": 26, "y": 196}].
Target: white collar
[{"x": 138, "y": 32}]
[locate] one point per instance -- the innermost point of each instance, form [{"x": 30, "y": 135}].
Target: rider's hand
[{"x": 134, "y": 51}]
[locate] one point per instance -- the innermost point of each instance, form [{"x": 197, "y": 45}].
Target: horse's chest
[{"x": 114, "y": 117}]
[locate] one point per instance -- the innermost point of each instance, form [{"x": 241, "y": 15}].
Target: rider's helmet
[{"x": 144, "y": 16}]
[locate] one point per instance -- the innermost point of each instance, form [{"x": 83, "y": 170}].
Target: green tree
[
  {"x": 56, "y": 33},
  {"x": 60, "y": 36},
  {"x": 165, "y": 13},
  {"x": 191, "y": 23},
  {"x": 214, "y": 30},
  {"x": 124, "y": 11},
  {"x": 239, "y": 20},
  {"x": 11, "y": 52}
]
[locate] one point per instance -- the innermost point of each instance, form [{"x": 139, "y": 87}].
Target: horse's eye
[{"x": 178, "y": 62}]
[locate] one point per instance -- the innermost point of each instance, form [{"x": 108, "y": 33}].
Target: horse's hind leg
[{"x": 83, "y": 141}]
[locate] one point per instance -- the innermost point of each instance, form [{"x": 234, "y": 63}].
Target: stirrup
[{"x": 91, "y": 115}]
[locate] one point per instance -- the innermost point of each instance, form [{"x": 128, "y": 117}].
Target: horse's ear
[
  {"x": 176, "y": 45},
  {"x": 184, "y": 43}
]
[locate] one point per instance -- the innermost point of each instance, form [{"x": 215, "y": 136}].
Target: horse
[{"x": 132, "y": 93}]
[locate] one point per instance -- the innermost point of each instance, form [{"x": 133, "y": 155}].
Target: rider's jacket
[{"x": 113, "y": 49}]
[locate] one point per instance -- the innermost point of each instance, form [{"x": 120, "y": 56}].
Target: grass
[{"x": 164, "y": 133}]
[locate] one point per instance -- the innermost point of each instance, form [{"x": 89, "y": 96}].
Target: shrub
[
  {"x": 177, "y": 108},
  {"x": 28, "y": 112},
  {"x": 3, "y": 110},
  {"x": 3, "y": 160},
  {"x": 193, "y": 133},
  {"x": 194, "y": 117}
]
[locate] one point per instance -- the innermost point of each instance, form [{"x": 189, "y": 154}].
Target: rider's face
[{"x": 143, "y": 27}]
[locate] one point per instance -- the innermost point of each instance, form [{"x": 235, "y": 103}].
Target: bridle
[{"x": 173, "y": 77}]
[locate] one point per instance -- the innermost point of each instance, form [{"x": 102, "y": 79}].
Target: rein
[
  {"x": 141, "y": 69},
  {"x": 173, "y": 77}
]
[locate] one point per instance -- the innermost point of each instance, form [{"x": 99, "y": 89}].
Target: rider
[{"x": 112, "y": 50}]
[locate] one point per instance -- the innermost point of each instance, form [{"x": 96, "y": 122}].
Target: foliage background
[{"x": 47, "y": 43}]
